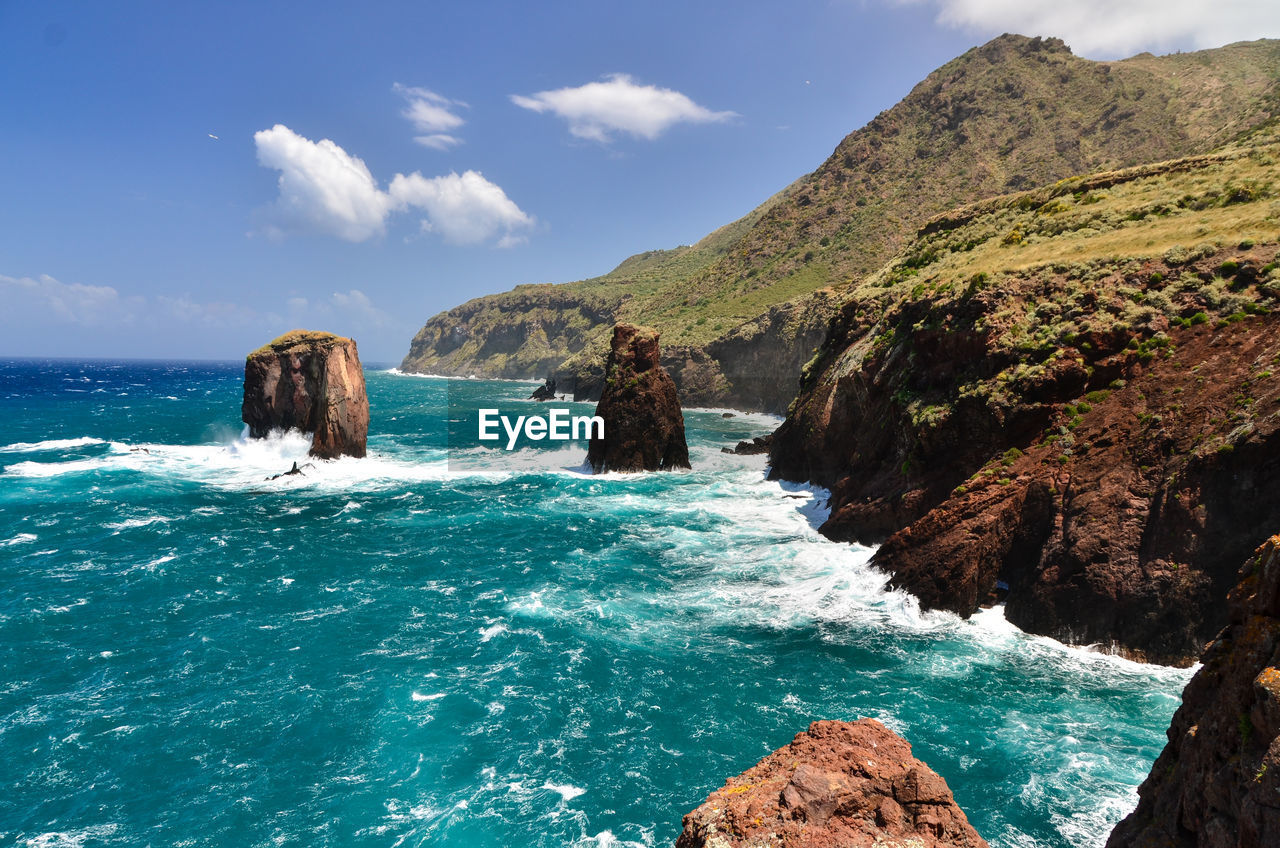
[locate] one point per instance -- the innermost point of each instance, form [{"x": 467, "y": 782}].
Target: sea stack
[
  {"x": 838, "y": 783},
  {"x": 643, "y": 425},
  {"x": 1217, "y": 782},
  {"x": 313, "y": 382}
]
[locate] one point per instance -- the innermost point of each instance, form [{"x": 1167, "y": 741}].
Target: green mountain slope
[
  {"x": 741, "y": 311},
  {"x": 1066, "y": 394}
]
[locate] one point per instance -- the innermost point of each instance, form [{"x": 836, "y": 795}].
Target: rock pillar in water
[
  {"x": 311, "y": 382},
  {"x": 643, "y": 425}
]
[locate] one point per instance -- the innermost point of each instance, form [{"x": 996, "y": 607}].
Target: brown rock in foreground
[
  {"x": 838, "y": 784},
  {"x": 1217, "y": 783},
  {"x": 313, "y": 382},
  {"x": 643, "y": 425}
]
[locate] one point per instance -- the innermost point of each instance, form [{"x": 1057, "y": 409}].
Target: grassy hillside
[{"x": 1011, "y": 114}]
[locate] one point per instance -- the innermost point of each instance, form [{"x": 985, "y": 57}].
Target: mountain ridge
[{"x": 1013, "y": 113}]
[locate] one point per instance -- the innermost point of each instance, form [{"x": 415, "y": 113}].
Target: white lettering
[
  {"x": 595, "y": 423},
  {"x": 513, "y": 433},
  {"x": 487, "y": 421},
  {"x": 558, "y": 425},
  {"x": 559, "y": 419}
]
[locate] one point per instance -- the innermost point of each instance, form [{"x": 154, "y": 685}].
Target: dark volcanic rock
[
  {"x": 838, "y": 784},
  {"x": 312, "y": 382},
  {"x": 643, "y": 425},
  {"x": 1217, "y": 783},
  {"x": 547, "y": 391},
  {"x": 758, "y": 445}
]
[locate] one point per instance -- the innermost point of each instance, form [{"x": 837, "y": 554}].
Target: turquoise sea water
[{"x": 501, "y": 651}]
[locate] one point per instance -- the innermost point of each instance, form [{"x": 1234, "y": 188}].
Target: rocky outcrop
[
  {"x": 853, "y": 785},
  {"x": 1217, "y": 783},
  {"x": 1101, "y": 436},
  {"x": 758, "y": 445},
  {"x": 311, "y": 382},
  {"x": 643, "y": 424}
]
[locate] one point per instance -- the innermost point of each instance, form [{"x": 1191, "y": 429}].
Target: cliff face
[
  {"x": 1063, "y": 391},
  {"x": 1217, "y": 783},
  {"x": 1014, "y": 113},
  {"x": 643, "y": 424},
  {"x": 312, "y": 382},
  {"x": 838, "y": 784}
]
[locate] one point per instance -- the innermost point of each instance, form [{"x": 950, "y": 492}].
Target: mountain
[
  {"x": 1068, "y": 396},
  {"x": 742, "y": 310}
]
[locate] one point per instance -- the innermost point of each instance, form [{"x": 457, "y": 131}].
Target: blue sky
[{"x": 168, "y": 190}]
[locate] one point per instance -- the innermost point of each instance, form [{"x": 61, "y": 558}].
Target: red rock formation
[
  {"x": 1217, "y": 783},
  {"x": 311, "y": 382},
  {"x": 1113, "y": 489},
  {"x": 643, "y": 425},
  {"x": 838, "y": 784}
]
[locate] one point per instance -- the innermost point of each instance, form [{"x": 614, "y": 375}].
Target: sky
[{"x": 187, "y": 181}]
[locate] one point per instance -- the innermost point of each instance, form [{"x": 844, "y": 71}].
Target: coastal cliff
[
  {"x": 743, "y": 310},
  {"x": 837, "y": 784},
  {"x": 313, "y": 382},
  {"x": 1217, "y": 783},
  {"x": 1068, "y": 392},
  {"x": 643, "y": 424}
]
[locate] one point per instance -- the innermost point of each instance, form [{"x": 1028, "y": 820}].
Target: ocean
[{"x": 441, "y": 645}]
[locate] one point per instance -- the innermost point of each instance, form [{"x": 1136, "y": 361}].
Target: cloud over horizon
[
  {"x": 618, "y": 104},
  {"x": 36, "y": 304},
  {"x": 324, "y": 189},
  {"x": 1110, "y": 29},
  {"x": 432, "y": 115}
]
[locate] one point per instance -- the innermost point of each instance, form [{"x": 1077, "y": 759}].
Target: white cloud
[
  {"x": 324, "y": 189},
  {"x": 438, "y": 141},
  {"x": 618, "y": 104},
  {"x": 432, "y": 115},
  {"x": 355, "y": 306},
  {"x": 464, "y": 209},
  {"x": 1114, "y": 28},
  {"x": 44, "y": 301},
  {"x": 69, "y": 303}
]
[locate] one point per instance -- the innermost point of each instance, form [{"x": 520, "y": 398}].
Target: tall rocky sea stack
[
  {"x": 313, "y": 382},
  {"x": 837, "y": 784},
  {"x": 1217, "y": 784},
  {"x": 643, "y": 425}
]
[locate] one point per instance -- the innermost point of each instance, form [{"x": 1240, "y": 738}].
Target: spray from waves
[{"x": 50, "y": 445}]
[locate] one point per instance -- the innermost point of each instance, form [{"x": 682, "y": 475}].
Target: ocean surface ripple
[{"x": 420, "y": 648}]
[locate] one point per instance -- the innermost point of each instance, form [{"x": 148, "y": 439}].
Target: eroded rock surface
[
  {"x": 643, "y": 425},
  {"x": 1217, "y": 783},
  {"x": 849, "y": 784},
  {"x": 313, "y": 382}
]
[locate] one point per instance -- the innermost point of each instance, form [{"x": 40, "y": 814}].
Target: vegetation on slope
[
  {"x": 1011, "y": 114},
  {"x": 1069, "y": 391}
]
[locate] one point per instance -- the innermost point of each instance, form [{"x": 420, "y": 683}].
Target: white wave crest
[{"x": 51, "y": 444}]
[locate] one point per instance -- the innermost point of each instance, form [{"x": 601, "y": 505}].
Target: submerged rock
[
  {"x": 837, "y": 784},
  {"x": 1217, "y": 783},
  {"x": 758, "y": 445},
  {"x": 643, "y": 425},
  {"x": 312, "y": 382},
  {"x": 547, "y": 391}
]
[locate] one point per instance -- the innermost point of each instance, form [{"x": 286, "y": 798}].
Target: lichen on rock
[{"x": 837, "y": 784}]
